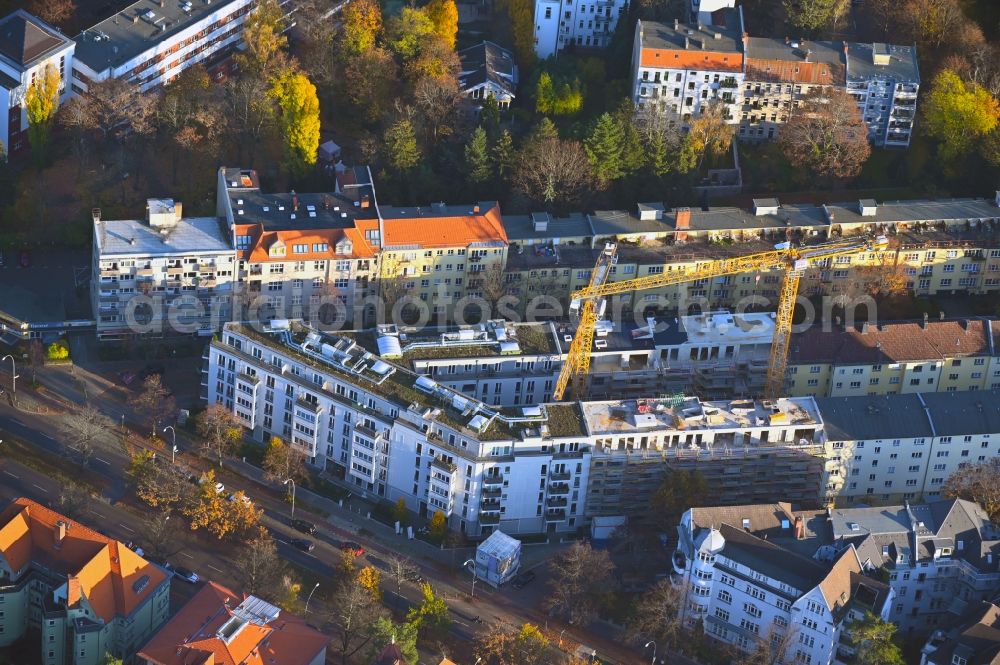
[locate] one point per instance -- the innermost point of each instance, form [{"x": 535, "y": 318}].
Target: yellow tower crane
[{"x": 792, "y": 260}]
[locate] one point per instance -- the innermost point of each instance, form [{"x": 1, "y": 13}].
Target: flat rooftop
[
  {"x": 691, "y": 415},
  {"x": 770, "y": 59},
  {"x": 902, "y": 62},
  {"x": 917, "y": 210},
  {"x": 139, "y": 28},
  {"x": 286, "y": 211},
  {"x": 726, "y": 328},
  {"x": 133, "y": 237},
  {"x": 673, "y": 36},
  {"x": 495, "y": 338}
]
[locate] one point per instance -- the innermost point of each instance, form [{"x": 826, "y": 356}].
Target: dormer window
[{"x": 958, "y": 660}]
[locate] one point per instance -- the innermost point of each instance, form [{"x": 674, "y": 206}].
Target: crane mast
[{"x": 792, "y": 260}]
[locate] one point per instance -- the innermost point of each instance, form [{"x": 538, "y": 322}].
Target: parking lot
[{"x": 46, "y": 290}]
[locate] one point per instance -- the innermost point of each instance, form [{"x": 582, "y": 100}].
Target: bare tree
[
  {"x": 554, "y": 172},
  {"x": 83, "y": 428},
  {"x": 827, "y": 134},
  {"x": 248, "y": 112},
  {"x": 979, "y": 483},
  {"x": 53, "y": 11},
  {"x": 258, "y": 566},
  {"x": 154, "y": 402},
  {"x": 931, "y": 22},
  {"x": 220, "y": 430},
  {"x": 710, "y": 134},
  {"x": 773, "y": 648},
  {"x": 283, "y": 461},
  {"x": 580, "y": 575},
  {"x": 656, "y": 616},
  {"x": 401, "y": 569},
  {"x": 72, "y": 501},
  {"x": 353, "y": 612},
  {"x": 438, "y": 99},
  {"x": 162, "y": 535}
]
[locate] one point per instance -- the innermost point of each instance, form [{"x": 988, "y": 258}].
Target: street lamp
[
  {"x": 653, "y": 662},
  {"x": 560, "y": 636},
  {"x": 292, "y": 481},
  {"x": 173, "y": 448},
  {"x": 306, "y": 611},
  {"x": 474, "y": 576},
  {"x": 13, "y": 375}
]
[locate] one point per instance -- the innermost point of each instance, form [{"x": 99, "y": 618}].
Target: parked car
[
  {"x": 243, "y": 497},
  {"x": 219, "y": 487},
  {"x": 302, "y": 544},
  {"x": 186, "y": 575},
  {"x": 24, "y": 258},
  {"x": 352, "y": 547},
  {"x": 523, "y": 580},
  {"x": 304, "y": 526}
]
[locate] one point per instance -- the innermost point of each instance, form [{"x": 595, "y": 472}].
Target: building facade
[
  {"x": 162, "y": 275},
  {"x": 28, "y": 46},
  {"x": 82, "y": 594},
  {"x": 562, "y": 23},
  {"x": 488, "y": 70},
  {"x": 748, "y": 580},
  {"x": 885, "y": 80}
]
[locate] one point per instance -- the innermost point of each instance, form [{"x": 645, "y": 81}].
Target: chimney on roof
[
  {"x": 326, "y": 202},
  {"x": 60, "y": 533},
  {"x": 95, "y": 214},
  {"x": 787, "y": 41},
  {"x": 295, "y": 201},
  {"x": 687, "y": 43},
  {"x": 808, "y": 53},
  {"x": 800, "y": 528},
  {"x": 677, "y": 26},
  {"x": 475, "y": 209},
  {"x": 73, "y": 591},
  {"x": 925, "y": 321},
  {"x": 864, "y": 328},
  {"x": 941, "y": 315},
  {"x": 366, "y": 201},
  {"x": 682, "y": 222}
]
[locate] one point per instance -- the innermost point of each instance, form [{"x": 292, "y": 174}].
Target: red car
[{"x": 353, "y": 548}]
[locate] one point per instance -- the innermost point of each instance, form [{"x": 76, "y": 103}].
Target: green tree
[
  {"x": 503, "y": 154},
  {"x": 300, "y": 122},
  {"x": 57, "y": 351},
  {"x": 678, "y": 491},
  {"x": 544, "y": 93},
  {"x": 400, "y": 513},
  {"x": 477, "y": 158},
  {"x": 489, "y": 116},
  {"x": 811, "y": 14},
  {"x": 361, "y": 23},
  {"x": 875, "y": 641},
  {"x": 263, "y": 35},
  {"x": 409, "y": 31},
  {"x": 958, "y": 113},
  {"x": 404, "y": 635},
  {"x": 432, "y": 615},
  {"x": 556, "y": 96},
  {"x": 400, "y": 144},
  {"x": 604, "y": 149},
  {"x": 543, "y": 131},
  {"x": 521, "y": 14},
  {"x": 444, "y": 15},
  {"x": 634, "y": 157},
  {"x": 40, "y": 103}
]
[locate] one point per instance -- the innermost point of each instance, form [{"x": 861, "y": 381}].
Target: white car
[{"x": 243, "y": 497}]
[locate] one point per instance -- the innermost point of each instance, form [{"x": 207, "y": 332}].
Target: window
[
  {"x": 725, "y": 596},
  {"x": 722, "y": 614}
]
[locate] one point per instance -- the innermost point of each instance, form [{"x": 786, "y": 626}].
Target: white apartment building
[
  {"x": 885, "y": 80},
  {"x": 165, "y": 274},
  {"x": 152, "y": 41},
  {"x": 678, "y": 68},
  {"x": 750, "y": 577},
  {"x": 903, "y": 447},
  {"x": 497, "y": 362},
  {"x": 395, "y": 434},
  {"x": 562, "y": 23},
  {"x": 27, "y": 46}
]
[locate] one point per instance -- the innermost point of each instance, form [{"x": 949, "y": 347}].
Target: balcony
[
  {"x": 493, "y": 491},
  {"x": 555, "y": 515},
  {"x": 306, "y": 405},
  {"x": 558, "y": 488},
  {"x": 559, "y": 475},
  {"x": 443, "y": 465},
  {"x": 175, "y": 270},
  {"x": 492, "y": 481},
  {"x": 490, "y": 505},
  {"x": 489, "y": 519},
  {"x": 556, "y": 502},
  {"x": 206, "y": 267},
  {"x": 144, "y": 272}
]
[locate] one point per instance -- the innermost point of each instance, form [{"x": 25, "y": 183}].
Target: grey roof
[
  {"x": 772, "y": 560},
  {"x": 138, "y": 28},
  {"x": 521, "y": 227},
  {"x": 619, "y": 222},
  {"x": 967, "y": 412},
  {"x": 189, "y": 235},
  {"x": 902, "y": 65},
  {"x": 487, "y": 62},
  {"x": 275, "y": 211},
  {"x": 25, "y": 39},
  {"x": 874, "y": 417},
  {"x": 767, "y": 48},
  {"x": 720, "y": 219},
  {"x": 918, "y": 210},
  {"x": 434, "y": 210},
  {"x": 724, "y": 38}
]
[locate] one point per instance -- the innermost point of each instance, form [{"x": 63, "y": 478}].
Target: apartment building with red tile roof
[
  {"x": 87, "y": 594},
  {"x": 220, "y": 627}
]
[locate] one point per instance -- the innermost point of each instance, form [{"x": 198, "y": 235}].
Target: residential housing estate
[
  {"x": 678, "y": 68},
  {"x": 82, "y": 594},
  {"x": 562, "y": 23}
]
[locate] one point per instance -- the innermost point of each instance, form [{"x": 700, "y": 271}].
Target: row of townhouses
[
  {"x": 444, "y": 441},
  {"x": 84, "y": 597},
  {"x": 148, "y": 42},
  {"x": 342, "y": 257},
  {"x": 678, "y": 68},
  {"x": 800, "y": 577}
]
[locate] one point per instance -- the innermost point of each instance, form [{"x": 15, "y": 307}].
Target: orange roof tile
[
  {"x": 191, "y": 636},
  {"x": 104, "y": 571},
  {"x": 680, "y": 59},
  {"x": 444, "y": 231},
  {"x": 813, "y": 73},
  {"x": 261, "y": 242}
]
